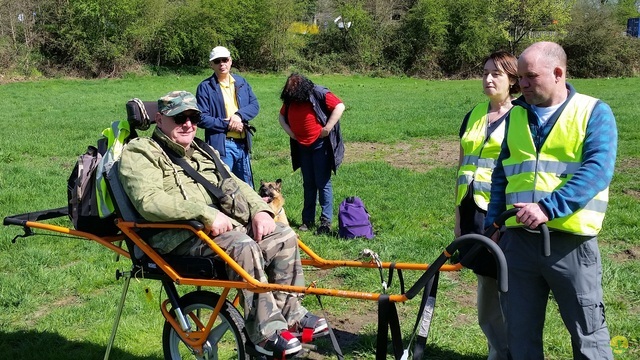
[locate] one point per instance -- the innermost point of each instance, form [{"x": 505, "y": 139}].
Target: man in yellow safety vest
[{"x": 555, "y": 165}]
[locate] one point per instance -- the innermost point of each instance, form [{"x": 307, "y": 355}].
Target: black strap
[
  {"x": 216, "y": 158},
  {"x": 334, "y": 341},
  {"x": 430, "y": 292},
  {"x": 396, "y": 335},
  {"x": 392, "y": 266},
  {"x": 388, "y": 319},
  {"x": 178, "y": 160}
]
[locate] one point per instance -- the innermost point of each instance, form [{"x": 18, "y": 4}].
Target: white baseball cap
[{"x": 219, "y": 52}]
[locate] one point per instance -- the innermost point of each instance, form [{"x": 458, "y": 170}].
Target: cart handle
[
  {"x": 480, "y": 241},
  {"x": 543, "y": 228}
]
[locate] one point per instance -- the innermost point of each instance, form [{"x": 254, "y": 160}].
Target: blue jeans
[
  {"x": 315, "y": 166},
  {"x": 237, "y": 159}
]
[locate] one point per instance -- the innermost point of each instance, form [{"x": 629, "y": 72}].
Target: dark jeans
[{"x": 316, "y": 180}]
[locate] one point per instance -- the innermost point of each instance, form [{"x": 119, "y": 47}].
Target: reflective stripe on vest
[
  {"x": 479, "y": 156},
  {"x": 116, "y": 136},
  {"x": 533, "y": 175}
]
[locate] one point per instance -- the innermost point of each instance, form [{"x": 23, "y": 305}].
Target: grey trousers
[
  {"x": 275, "y": 259},
  {"x": 491, "y": 319},
  {"x": 573, "y": 273}
]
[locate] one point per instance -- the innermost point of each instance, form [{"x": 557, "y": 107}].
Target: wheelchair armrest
[{"x": 193, "y": 223}]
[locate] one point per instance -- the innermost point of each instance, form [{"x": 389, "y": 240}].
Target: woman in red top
[{"x": 310, "y": 115}]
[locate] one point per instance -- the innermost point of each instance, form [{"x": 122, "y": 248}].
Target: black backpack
[{"x": 81, "y": 193}]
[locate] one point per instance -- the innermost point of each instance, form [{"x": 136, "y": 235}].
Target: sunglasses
[
  {"x": 182, "y": 118},
  {"x": 221, "y": 60}
]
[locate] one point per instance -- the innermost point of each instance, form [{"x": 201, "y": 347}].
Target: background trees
[{"x": 425, "y": 38}]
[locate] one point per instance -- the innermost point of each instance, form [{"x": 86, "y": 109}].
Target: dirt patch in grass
[
  {"x": 46, "y": 309},
  {"x": 349, "y": 325},
  {"x": 464, "y": 296},
  {"x": 465, "y": 293},
  {"x": 420, "y": 155},
  {"x": 632, "y": 193},
  {"x": 629, "y": 254},
  {"x": 627, "y": 163}
]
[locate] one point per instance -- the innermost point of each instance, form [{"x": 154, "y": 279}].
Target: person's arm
[
  {"x": 336, "y": 114},
  {"x": 255, "y": 202},
  {"x": 595, "y": 173},
  {"x": 247, "y": 103},
  {"x": 142, "y": 171},
  {"x": 209, "y": 119},
  {"x": 286, "y": 127},
  {"x": 457, "y": 231},
  {"x": 336, "y": 107},
  {"x": 497, "y": 199}
]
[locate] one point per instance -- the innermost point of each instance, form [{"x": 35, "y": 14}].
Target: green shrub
[{"x": 597, "y": 47}]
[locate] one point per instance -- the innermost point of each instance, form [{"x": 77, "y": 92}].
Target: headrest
[{"x": 141, "y": 114}]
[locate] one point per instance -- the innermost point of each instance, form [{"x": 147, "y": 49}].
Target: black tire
[{"x": 226, "y": 340}]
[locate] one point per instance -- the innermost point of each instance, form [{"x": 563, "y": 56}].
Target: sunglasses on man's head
[
  {"x": 220, "y": 60},
  {"x": 182, "y": 118}
]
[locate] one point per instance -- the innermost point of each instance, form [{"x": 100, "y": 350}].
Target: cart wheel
[{"x": 226, "y": 340}]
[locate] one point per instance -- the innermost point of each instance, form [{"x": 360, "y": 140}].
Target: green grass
[{"x": 58, "y": 296}]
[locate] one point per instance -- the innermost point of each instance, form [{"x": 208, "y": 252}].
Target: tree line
[{"x": 421, "y": 38}]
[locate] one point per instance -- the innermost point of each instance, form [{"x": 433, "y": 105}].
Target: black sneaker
[
  {"x": 324, "y": 228},
  {"x": 280, "y": 345}
]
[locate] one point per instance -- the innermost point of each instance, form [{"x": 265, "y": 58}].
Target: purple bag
[{"x": 353, "y": 219}]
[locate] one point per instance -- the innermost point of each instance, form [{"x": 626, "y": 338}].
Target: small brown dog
[{"x": 271, "y": 192}]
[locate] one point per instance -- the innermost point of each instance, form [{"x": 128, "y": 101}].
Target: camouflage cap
[{"x": 177, "y": 102}]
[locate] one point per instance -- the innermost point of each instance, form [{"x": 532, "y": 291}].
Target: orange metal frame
[
  {"x": 253, "y": 284},
  {"x": 196, "y": 339}
]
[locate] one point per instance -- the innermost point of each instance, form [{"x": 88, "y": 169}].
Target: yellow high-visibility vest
[
  {"x": 479, "y": 156},
  {"x": 116, "y": 135},
  {"x": 533, "y": 175}
]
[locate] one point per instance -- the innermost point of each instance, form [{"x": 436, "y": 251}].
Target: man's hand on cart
[{"x": 531, "y": 215}]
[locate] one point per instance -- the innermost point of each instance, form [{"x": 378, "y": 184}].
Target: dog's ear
[
  {"x": 279, "y": 185},
  {"x": 261, "y": 182},
  {"x": 279, "y": 181}
]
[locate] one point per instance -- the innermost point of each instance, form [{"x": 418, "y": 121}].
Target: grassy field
[{"x": 58, "y": 295}]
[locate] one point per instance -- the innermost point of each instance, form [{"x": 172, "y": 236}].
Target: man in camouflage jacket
[{"x": 162, "y": 191}]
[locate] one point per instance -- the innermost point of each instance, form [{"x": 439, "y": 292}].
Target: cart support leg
[{"x": 116, "y": 322}]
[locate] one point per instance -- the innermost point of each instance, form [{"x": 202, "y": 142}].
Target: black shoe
[
  {"x": 280, "y": 345},
  {"x": 305, "y": 226},
  {"x": 324, "y": 228}
]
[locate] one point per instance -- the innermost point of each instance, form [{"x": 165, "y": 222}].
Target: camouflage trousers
[{"x": 275, "y": 259}]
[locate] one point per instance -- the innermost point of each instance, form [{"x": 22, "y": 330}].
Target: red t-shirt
[{"x": 303, "y": 122}]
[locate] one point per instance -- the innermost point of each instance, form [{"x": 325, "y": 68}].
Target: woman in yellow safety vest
[{"x": 481, "y": 136}]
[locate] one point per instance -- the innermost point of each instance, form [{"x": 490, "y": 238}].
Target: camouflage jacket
[{"x": 162, "y": 191}]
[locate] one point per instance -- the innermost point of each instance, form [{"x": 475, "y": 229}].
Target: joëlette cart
[{"x": 206, "y": 325}]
